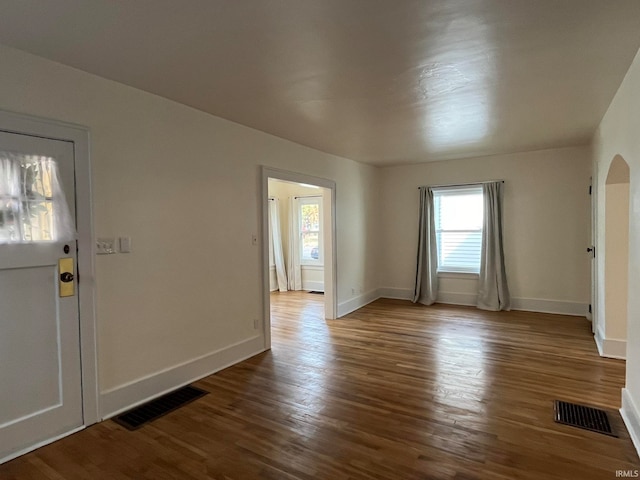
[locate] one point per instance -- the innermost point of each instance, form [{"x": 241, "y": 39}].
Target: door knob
[{"x": 66, "y": 277}]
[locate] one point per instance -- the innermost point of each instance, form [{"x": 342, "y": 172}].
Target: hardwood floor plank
[{"x": 392, "y": 391}]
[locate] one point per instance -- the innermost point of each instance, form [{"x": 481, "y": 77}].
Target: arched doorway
[{"x": 616, "y": 268}]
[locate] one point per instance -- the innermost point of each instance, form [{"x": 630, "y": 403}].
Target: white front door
[{"x": 40, "y": 373}]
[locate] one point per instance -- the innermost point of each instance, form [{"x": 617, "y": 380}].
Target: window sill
[
  {"x": 312, "y": 266},
  {"x": 461, "y": 275}
]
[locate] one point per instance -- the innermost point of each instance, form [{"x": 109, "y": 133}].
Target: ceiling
[{"x": 379, "y": 81}]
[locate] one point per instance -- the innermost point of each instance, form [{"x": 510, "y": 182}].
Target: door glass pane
[{"x": 32, "y": 203}]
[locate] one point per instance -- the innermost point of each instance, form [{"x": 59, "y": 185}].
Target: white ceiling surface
[{"x": 379, "y": 81}]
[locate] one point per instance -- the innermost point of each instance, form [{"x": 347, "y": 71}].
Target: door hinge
[
  {"x": 589, "y": 308},
  {"x": 590, "y": 189},
  {"x": 592, "y": 251}
]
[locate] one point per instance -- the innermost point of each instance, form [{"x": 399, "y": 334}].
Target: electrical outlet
[
  {"x": 254, "y": 240},
  {"x": 105, "y": 246},
  {"x": 256, "y": 323}
]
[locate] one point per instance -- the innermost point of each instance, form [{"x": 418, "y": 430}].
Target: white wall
[
  {"x": 546, "y": 226},
  {"x": 184, "y": 185},
  {"x": 312, "y": 275},
  {"x": 619, "y": 134},
  {"x": 617, "y": 265}
]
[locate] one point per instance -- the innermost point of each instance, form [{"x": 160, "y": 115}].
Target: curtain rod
[
  {"x": 309, "y": 196},
  {"x": 461, "y": 184}
]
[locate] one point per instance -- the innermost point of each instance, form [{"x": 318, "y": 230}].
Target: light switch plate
[
  {"x": 125, "y": 244},
  {"x": 105, "y": 246}
]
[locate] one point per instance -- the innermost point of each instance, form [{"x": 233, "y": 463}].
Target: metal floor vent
[
  {"x": 137, "y": 417},
  {"x": 581, "y": 416}
]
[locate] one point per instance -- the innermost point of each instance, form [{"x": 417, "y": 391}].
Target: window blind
[{"x": 458, "y": 222}]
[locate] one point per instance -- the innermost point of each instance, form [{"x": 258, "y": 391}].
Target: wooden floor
[{"x": 392, "y": 391}]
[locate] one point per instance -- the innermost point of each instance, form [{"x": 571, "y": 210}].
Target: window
[
  {"x": 310, "y": 222},
  {"x": 32, "y": 205},
  {"x": 458, "y": 221}
]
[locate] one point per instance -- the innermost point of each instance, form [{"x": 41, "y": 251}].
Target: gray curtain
[
  {"x": 426, "y": 287},
  {"x": 493, "y": 291}
]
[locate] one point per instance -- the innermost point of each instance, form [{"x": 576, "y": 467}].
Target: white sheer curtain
[
  {"x": 33, "y": 207},
  {"x": 493, "y": 291},
  {"x": 426, "y": 286},
  {"x": 276, "y": 239},
  {"x": 294, "y": 272}
]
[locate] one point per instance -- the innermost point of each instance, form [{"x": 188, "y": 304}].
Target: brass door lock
[{"x": 66, "y": 279}]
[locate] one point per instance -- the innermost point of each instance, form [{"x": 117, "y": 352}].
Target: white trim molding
[
  {"x": 455, "y": 298},
  {"x": 610, "y": 347},
  {"x": 124, "y": 397},
  {"x": 313, "y": 286},
  {"x": 395, "y": 293},
  {"x": 79, "y": 135},
  {"x": 469, "y": 299},
  {"x": 355, "y": 303},
  {"x": 36, "y": 446},
  {"x": 631, "y": 417},
  {"x": 542, "y": 305},
  {"x": 330, "y": 245}
]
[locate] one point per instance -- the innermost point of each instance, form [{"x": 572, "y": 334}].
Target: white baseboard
[
  {"x": 453, "y": 298},
  {"x": 610, "y": 347},
  {"x": 470, "y": 299},
  {"x": 631, "y": 416},
  {"x": 355, "y": 303},
  {"x": 395, "y": 293},
  {"x": 35, "y": 446},
  {"x": 550, "y": 306},
  {"x": 124, "y": 397},
  {"x": 598, "y": 336},
  {"x": 313, "y": 286},
  {"x": 615, "y": 348}
]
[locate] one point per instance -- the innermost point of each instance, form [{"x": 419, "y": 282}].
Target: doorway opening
[
  {"x": 298, "y": 245},
  {"x": 616, "y": 268}
]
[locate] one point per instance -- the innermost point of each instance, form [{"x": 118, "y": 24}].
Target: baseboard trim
[
  {"x": 631, "y": 417},
  {"x": 454, "y": 298},
  {"x": 35, "y": 446},
  {"x": 598, "y": 337},
  {"x": 124, "y": 397},
  {"x": 355, "y": 303},
  {"x": 550, "y": 306},
  {"x": 395, "y": 293},
  {"x": 470, "y": 299},
  {"x": 313, "y": 286},
  {"x": 610, "y": 347}
]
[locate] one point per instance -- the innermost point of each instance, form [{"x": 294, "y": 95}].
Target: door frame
[
  {"x": 331, "y": 294},
  {"x": 39, "y": 127},
  {"x": 593, "y": 316}
]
